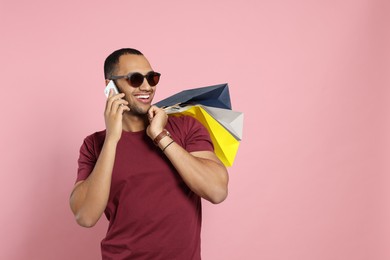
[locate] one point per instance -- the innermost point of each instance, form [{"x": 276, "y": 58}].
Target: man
[{"x": 147, "y": 172}]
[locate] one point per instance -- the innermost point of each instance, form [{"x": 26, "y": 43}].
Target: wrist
[
  {"x": 155, "y": 133},
  {"x": 166, "y": 146},
  {"x": 111, "y": 140},
  {"x": 161, "y": 135}
]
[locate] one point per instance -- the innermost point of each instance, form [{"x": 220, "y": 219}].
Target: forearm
[
  {"x": 203, "y": 172},
  {"x": 205, "y": 176},
  {"x": 89, "y": 198}
]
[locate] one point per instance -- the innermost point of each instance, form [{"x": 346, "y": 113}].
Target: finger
[
  {"x": 151, "y": 114},
  {"x": 112, "y": 106},
  {"x": 123, "y": 108},
  {"x": 110, "y": 93},
  {"x": 113, "y": 97},
  {"x": 160, "y": 113},
  {"x": 116, "y": 96},
  {"x": 116, "y": 104}
]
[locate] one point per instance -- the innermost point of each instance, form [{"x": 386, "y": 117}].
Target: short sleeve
[
  {"x": 196, "y": 137},
  {"x": 87, "y": 159}
]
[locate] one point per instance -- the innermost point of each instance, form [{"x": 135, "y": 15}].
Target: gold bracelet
[{"x": 167, "y": 146}]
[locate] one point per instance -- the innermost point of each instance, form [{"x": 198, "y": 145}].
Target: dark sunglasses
[{"x": 136, "y": 79}]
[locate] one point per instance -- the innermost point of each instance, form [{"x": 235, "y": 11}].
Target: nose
[{"x": 145, "y": 85}]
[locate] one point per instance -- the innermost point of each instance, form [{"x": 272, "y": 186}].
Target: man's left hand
[{"x": 157, "y": 119}]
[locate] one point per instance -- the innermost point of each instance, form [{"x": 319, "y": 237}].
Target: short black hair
[{"x": 113, "y": 59}]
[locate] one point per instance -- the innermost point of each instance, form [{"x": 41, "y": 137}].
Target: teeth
[{"x": 143, "y": 96}]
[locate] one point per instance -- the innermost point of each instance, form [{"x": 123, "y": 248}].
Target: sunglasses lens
[
  {"x": 153, "y": 78},
  {"x": 136, "y": 80}
]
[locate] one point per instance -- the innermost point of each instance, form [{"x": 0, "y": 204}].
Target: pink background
[{"x": 311, "y": 179}]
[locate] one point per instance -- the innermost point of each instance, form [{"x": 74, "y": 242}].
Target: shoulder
[
  {"x": 183, "y": 120},
  {"x": 183, "y": 123},
  {"x": 92, "y": 141},
  {"x": 96, "y": 136},
  {"x": 189, "y": 133}
]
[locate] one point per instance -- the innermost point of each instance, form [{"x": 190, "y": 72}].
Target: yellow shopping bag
[{"x": 225, "y": 144}]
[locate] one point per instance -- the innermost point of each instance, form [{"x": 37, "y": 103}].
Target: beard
[{"x": 138, "y": 111}]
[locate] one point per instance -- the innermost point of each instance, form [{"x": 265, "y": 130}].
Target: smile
[{"x": 142, "y": 96}]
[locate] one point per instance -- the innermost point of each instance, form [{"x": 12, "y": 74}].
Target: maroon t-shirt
[{"x": 152, "y": 213}]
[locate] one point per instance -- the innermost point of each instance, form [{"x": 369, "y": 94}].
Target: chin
[{"x": 139, "y": 111}]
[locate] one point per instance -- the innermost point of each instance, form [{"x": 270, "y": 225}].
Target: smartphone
[{"x": 111, "y": 85}]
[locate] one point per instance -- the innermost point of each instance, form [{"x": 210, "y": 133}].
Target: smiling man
[{"x": 146, "y": 172}]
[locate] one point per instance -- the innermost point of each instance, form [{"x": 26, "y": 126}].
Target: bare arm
[
  {"x": 89, "y": 198},
  {"x": 202, "y": 171}
]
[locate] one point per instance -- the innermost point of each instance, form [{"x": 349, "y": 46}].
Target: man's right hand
[
  {"x": 113, "y": 114},
  {"x": 89, "y": 197}
]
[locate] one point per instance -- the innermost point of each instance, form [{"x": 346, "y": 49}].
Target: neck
[{"x": 134, "y": 123}]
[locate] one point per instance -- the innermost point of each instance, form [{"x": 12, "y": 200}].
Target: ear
[{"x": 107, "y": 81}]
